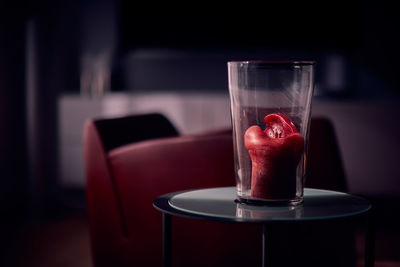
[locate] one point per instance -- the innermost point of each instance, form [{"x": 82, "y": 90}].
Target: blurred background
[{"x": 62, "y": 62}]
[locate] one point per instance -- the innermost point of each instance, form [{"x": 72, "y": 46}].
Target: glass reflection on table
[{"x": 246, "y": 211}]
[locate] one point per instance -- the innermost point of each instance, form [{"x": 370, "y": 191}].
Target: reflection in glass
[{"x": 246, "y": 211}]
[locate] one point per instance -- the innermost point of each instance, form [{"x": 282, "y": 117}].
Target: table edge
[{"x": 161, "y": 203}]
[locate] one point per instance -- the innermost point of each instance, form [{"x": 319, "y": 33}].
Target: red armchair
[
  {"x": 130, "y": 161},
  {"x": 122, "y": 182}
]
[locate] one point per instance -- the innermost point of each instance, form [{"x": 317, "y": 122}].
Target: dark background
[
  {"x": 36, "y": 69},
  {"x": 271, "y": 24}
]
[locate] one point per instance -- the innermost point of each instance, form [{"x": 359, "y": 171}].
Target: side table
[{"x": 220, "y": 204}]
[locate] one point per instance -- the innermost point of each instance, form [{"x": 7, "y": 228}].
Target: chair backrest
[
  {"x": 324, "y": 166},
  {"x": 115, "y": 132}
]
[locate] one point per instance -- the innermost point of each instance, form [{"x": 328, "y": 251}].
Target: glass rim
[{"x": 274, "y": 62}]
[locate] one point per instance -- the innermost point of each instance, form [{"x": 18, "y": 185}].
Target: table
[{"x": 220, "y": 204}]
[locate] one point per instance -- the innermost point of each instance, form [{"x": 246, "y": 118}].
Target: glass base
[{"x": 270, "y": 202}]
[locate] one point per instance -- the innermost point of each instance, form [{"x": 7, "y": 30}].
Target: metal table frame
[{"x": 162, "y": 203}]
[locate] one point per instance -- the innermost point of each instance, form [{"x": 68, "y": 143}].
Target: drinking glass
[{"x": 270, "y": 110}]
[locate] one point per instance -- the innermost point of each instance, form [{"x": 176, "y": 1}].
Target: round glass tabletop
[{"x": 219, "y": 204}]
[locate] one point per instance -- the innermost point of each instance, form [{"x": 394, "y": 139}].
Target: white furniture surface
[{"x": 367, "y": 131}]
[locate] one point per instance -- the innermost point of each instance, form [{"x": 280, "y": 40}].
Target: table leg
[
  {"x": 370, "y": 240},
  {"x": 264, "y": 246},
  {"x": 167, "y": 239}
]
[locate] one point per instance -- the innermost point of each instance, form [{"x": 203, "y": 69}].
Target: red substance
[{"x": 275, "y": 153}]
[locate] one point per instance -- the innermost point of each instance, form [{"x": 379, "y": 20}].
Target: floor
[
  {"x": 58, "y": 237},
  {"x": 63, "y": 241}
]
